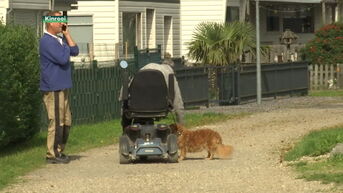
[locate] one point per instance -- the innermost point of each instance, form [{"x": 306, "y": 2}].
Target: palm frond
[{"x": 221, "y": 43}]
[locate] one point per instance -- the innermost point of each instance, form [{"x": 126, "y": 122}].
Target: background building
[
  {"x": 110, "y": 29},
  {"x": 30, "y": 12}
]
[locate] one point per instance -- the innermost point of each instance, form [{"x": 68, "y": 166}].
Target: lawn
[
  {"x": 326, "y": 93},
  {"x": 319, "y": 143}
]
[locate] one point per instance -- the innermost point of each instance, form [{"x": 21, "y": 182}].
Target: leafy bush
[
  {"x": 327, "y": 46},
  {"x": 19, "y": 78}
]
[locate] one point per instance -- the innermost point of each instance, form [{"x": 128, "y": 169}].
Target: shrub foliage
[
  {"x": 327, "y": 45},
  {"x": 19, "y": 78}
]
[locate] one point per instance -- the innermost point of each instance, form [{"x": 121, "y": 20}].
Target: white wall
[
  {"x": 157, "y": 35},
  {"x": 194, "y": 12},
  {"x": 31, "y": 4},
  {"x": 168, "y": 35},
  {"x": 3, "y": 6},
  {"x": 105, "y": 27}
]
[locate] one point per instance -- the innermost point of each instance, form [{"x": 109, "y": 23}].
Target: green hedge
[{"x": 19, "y": 84}]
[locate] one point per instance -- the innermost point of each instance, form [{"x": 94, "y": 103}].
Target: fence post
[
  {"x": 326, "y": 76},
  {"x": 136, "y": 57},
  {"x": 292, "y": 77},
  {"x": 316, "y": 76},
  {"x": 237, "y": 79},
  {"x": 97, "y": 96},
  {"x": 338, "y": 73},
  {"x": 159, "y": 48},
  {"x": 332, "y": 74},
  {"x": 275, "y": 72},
  {"x": 321, "y": 74},
  {"x": 90, "y": 48},
  {"x": 206, "y": 69}
]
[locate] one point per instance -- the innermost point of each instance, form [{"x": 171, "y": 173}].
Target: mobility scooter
[{"x": 147, "y": 98}]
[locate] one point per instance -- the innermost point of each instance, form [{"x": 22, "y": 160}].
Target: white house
[
  {"x": 193, "y": 12},
  {"x": 303, "y": 17},
  {"x": 30, "y": 12},
  {"x": 109, "y": 29}
]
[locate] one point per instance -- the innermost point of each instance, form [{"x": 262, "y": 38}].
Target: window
[
  {"x": 232, "y": 14},
  {"x": 300, "y": 21},
  {"x": 297, "y": 18},
  {"x": 129, "y": 32},
  {"x": 273, "y": 21},
  {"x": 81, "y": 29}
]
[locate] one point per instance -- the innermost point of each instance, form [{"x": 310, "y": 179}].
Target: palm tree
[
  {"x": 221, "y": 43},
  {"x": 340, "y": 4}
]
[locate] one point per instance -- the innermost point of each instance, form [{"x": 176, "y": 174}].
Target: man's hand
[{"x": 67, "y": 35}]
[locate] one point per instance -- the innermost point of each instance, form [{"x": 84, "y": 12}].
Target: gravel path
[{"x": 254, "y": 167}]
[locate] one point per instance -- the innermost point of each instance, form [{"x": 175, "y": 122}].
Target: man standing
[{"x": 55, "y": 83}]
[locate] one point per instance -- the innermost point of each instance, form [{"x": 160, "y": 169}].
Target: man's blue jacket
[{"x": 55, "y": 64}]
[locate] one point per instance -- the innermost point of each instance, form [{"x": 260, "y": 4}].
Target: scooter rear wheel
[{"x": 124, "y": 150}]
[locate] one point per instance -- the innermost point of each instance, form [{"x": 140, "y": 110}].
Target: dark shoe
[
  {"x": 65, "y": 156},
  {"x": 57, "y": 160}
]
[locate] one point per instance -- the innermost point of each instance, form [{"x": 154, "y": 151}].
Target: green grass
[
  {"x": 20, "y": 159},
  {"x": 193, "y": 119},
  {"x": 326, "y": 93},
  {"x": 314, "y": 144},
  {"x": 329, "y": 171}
]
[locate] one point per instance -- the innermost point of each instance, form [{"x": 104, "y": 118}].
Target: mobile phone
[{"x": 64, "y": 27}]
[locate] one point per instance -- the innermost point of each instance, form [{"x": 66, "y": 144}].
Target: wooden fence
[{"x": 324, "y": 77}]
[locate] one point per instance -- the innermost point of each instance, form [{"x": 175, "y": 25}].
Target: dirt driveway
[{"x": 254, "y": 167}]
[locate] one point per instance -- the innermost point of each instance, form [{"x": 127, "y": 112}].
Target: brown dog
[{"x": 199, "y": 140}]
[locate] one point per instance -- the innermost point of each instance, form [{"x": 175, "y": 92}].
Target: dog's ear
[
  {"x": 173, "y": 128},
  {"x": 180, "y": 127}
]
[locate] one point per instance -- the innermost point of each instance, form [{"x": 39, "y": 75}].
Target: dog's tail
[{"x": 224, "y": 151}]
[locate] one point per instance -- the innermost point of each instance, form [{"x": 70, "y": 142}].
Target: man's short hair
[{"x": 51, "y": 13}]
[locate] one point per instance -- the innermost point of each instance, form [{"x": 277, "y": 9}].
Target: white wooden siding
[
  {"x": 105, "y": 27},
  {"x": 30, "y": 4},
  {"x": 168, "y": 35},
  {"x": 193, "y": 12},
  {"x": 151, "y": 28},
  {"x": 161, "y": 10}
]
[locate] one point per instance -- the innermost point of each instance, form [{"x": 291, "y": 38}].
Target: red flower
[{"x": 313, "y": 49}]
